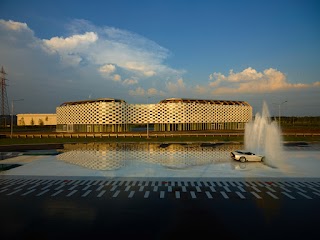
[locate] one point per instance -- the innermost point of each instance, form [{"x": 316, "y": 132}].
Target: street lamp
[
  {"x": 279, "y": 112},
  {"x": 14, "y": 100},
  {"x": 148, "y": 117}
]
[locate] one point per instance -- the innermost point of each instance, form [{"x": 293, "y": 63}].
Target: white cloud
[
  {"x": 251, "y": 81},
  {"x": 200, "y": 90},
  {"x": 133, "y": 54},
  {"x": 129, "y": 81},
  {"x": 155, "y": 92},
  {"x": 137, "y": 92},
  {"x": 126, "y": 60},
  {"x": 149, "y": 92},
  {"x": 116, "y": 78},
  {"x": 108, "y": 68},
  {"x": 15, "y": 26},
  {"x": 140, "y": 67},
  {"x": 70, "y": 49},
  {"x": 64, "y": 45},
  {"x": 174, "y": 87}
]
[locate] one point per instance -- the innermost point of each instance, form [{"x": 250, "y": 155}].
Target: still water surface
[{"x": 156, "y": 159}]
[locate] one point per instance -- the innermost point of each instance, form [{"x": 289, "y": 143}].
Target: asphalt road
[{"x": 93, "y": 208}]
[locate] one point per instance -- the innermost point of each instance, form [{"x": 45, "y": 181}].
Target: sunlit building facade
[
  {"x": 36, "y": 119},
  {"x": 173, "y": 114}
]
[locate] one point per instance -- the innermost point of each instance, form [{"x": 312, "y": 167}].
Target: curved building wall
[
  {"x": 174, "y": 115},
  {"x": 95, "y": 116}
]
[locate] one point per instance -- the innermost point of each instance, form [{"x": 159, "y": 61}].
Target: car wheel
[{"x": 242, "y": 159}]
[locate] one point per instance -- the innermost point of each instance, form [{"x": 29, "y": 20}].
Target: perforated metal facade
[{"x": 112, "y": 115}]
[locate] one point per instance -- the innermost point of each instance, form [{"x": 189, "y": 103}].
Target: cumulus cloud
[
  {"x": 200, "y": 90},
  {"x": 108, "y": 68},
  {"x": 104, "y": 47},
  {"x": 116, "y": 78},
  {"x": 143, "y": 68},
  {"x": 252, "y": 81},
  {"x": 155, "y": 92},
  {"x": 107, "y": 47},
  {"x": 115, "y": 54},
  {"x": 64, "y": 45},
  {"x": 174, "y": 87},
  {"x": 14, "y": 26},
  {"x": 70, "y": 49},
  {"x": 137, "y": 92},
  {"x": 149, "y": 92},
  {"x": 106, "y": 60},
  {"x": 129, "y": 81}
]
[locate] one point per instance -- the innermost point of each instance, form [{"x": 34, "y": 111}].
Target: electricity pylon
[{"x": 5, "y": 111}]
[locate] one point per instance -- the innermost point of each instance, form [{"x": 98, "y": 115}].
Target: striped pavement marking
[
  {"x": 285, "y": 189},
  {"x": 177, "y": 194},
  {"x": 86, "y": 193},
  {"x": 86, "y": 188},
  {"x": 73, "y": 187},
  {"x": 61, "y": 186},
  {"x": 162, "y": 194},
  {"x": 240, "y": 195},
  {"x": 256, "y": 195},
  {"x": 272, "y": 195},
  {"x": 3, "y": 190},
  {"x": 71, "y": 193},
  {"x": 56, "y": 193},
  {"x": 101, "y": 193},
  {"x": 270, "y": 189},
  {"x": 316, "y": 193},
  {"x": 9, "y": 194},
  {"x": 194, "y": 189},
  {"x": 209, "y": 195},
  {"x": 301, "y": 190},
  {"x": 99, "y": 188},
  {"x": 43, "y": 192},
  {"x": 146, "y": 194},
  {"x": 304, "y": 195},
  {"x": 224, "y": 195},
  {"x": 113, "y": 188},
  {"x": 256, "y": 189},
  {"x": 30, "y": 191},
  {"x": 227, "y": 189},
  {"x": 116, "y": 194},
  {"x": 193, "y": 195},
  {"x": 241, "y": 189},
  {"x": 131, "y": 194},
  {"x": 288, "y": 195},
  {"x": 184, "y": 189}
]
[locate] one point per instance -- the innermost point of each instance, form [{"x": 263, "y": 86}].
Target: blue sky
[{"x": 255, "y": 51}]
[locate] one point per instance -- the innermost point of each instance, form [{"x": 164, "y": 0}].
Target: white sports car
[{"x": 243, "y": 156}]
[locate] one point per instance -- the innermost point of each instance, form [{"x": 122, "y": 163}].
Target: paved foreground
[{"x": 147, "y": 208}]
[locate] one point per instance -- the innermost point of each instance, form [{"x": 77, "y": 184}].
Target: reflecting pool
[
  {"x": 162, "y": 160},
  {"x": 174, "y": 156},
  {"x": 156, "y": 159}
]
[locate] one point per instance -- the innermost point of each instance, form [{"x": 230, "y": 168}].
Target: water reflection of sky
[{"x": 113, "y": 156}]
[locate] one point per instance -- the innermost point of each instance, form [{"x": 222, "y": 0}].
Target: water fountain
[{"x": 263, "y": 137}]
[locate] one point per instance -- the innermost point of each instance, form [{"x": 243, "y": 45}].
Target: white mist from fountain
[{"x": 263, "y": 137}]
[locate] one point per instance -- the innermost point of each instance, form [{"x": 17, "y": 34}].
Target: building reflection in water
[{"x": 112, "y": 156}]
